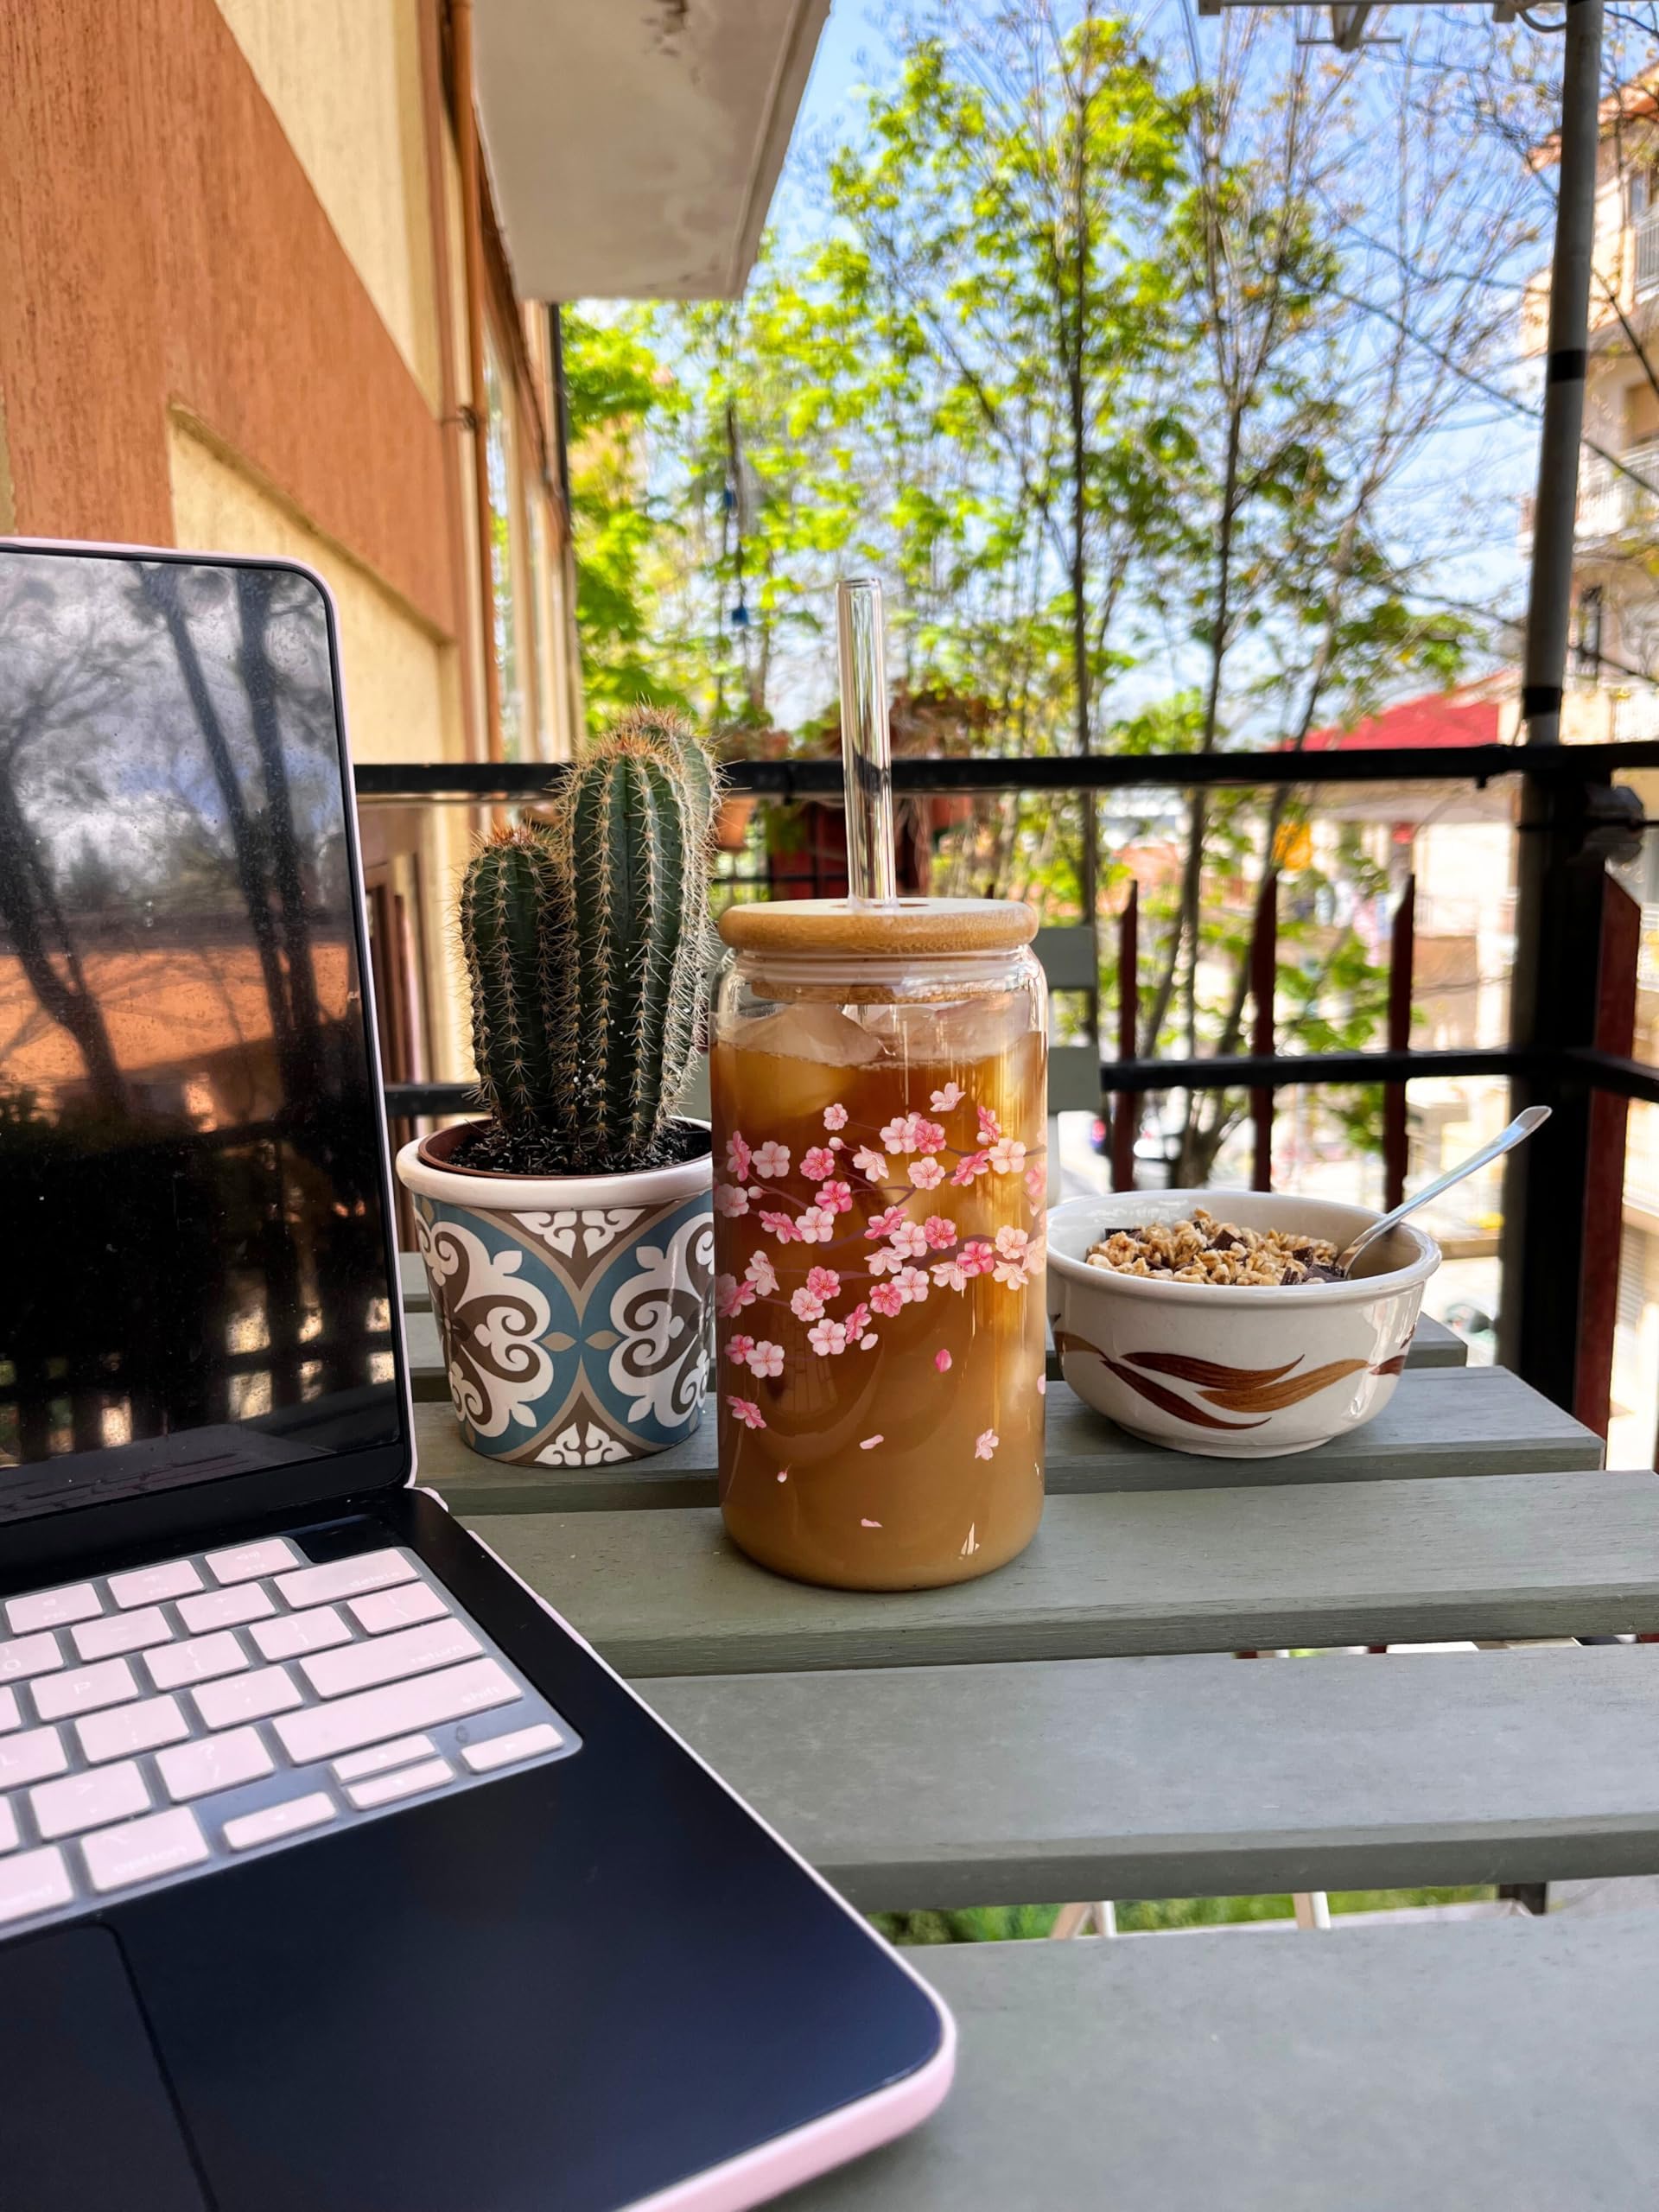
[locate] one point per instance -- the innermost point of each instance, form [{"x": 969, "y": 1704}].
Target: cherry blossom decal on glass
[{"x": 898, "y": 1179}]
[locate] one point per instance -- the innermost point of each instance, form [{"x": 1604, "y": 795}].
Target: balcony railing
[
  {"x": 1571, "y": 1000},
  {"x": 1613, "y": 499}
]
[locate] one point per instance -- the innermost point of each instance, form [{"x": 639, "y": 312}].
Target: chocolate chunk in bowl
[{"x": 1210, "y": 1320}]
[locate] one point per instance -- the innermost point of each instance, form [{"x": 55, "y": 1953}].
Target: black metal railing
[
  {"x": 1570, "y": 801},
  {"x": 474, "y": 781}
]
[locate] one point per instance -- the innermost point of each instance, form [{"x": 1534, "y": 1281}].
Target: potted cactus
[{"x": 568, "y": 1236}]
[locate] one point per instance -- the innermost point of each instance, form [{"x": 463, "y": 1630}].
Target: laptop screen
[{"x": 194, "y": 1280}]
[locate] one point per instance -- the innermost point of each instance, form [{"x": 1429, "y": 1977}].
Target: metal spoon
[{"x": 1518, "y": 1131}]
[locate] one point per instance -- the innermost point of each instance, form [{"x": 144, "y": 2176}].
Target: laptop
[{"x": 337, "y": 1872}]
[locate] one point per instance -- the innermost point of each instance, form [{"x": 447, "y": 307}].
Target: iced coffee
[{"x": 878, "y": 1079}]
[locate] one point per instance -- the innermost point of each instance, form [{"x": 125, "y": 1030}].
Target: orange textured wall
[{"x": 160, "y": 245}]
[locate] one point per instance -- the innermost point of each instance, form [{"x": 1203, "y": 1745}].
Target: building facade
[
  {"x": 258, "y": 294},
  {"x": 237, "y": 318}
]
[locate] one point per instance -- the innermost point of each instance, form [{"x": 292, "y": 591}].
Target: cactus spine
[{"x": 587, "y": 943}]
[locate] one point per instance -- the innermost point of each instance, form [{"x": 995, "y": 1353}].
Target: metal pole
[
  {"x": 1550, "y": 600},
  {"x": 469, "y": 158},
  {"x": 1552, "y": 992}
]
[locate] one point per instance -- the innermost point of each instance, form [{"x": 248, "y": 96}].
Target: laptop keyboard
[{"x": 157, "y": 1723}]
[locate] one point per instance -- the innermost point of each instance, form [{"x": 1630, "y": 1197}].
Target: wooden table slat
[
  {"x": 943, "y": 1786},
  {"x": 1440, "y": 1421},
  {"x": 1130, "y": 1571},
  {"x": 1503, "y": 2067}
]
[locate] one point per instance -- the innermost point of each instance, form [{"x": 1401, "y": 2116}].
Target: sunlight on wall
[
  {"x": 402, "y": 686},
  {"x": 399, "y": 688},
  {"x": 344, "y": 78}
]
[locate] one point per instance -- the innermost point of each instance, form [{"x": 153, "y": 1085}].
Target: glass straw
[{"x": 866, "y": 741}]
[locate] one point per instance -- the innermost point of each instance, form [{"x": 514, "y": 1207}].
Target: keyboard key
[
  {"x": 507, "y": 1751},
  {"x": 129, "y": 1728},
  {"x": 89, "y": 1800},
  {"x": 117, "y": 1633},
  {"x": 31, "y": 1757},
  {"x": 324, "y": 1731},
  {"x": 216, "y": 1762},
  {"x": 30, "y": 1654},
  {"x": 346, "y": 1577},
  {"x": 34, "y": 1883},
  {"x": 10, "y": 1717},
  {"x": 225, "y": 1608},
  {"x": 296, "y": 1632},
  {"x": 376, "y": 1761},
  {"x": 54, "y": 1608},
  {"x": 274, "y": 1821},
  {"x": 140, "y": 1850},
  {"x": 411, "y": 1651},
  {"x": 386, "y": 1789},
  {"x": 243, "y": 1562},
  {"x": 8, "y": 1827},
  {"x": 196, "y": 1661},
  {"x": 415, "y": 1601},
  {"x": 84, "y": 1689},
  {"x": 247, "y": 1697},
  {"x": 148, "y": 1585}
]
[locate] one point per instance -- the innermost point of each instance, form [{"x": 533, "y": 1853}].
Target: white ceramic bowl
[{"x": 1233, "y": 1372}]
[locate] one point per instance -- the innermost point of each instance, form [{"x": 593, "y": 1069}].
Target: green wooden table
[{"x": 1077, "y": 1726}]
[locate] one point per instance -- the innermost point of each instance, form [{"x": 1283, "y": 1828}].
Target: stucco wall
[
  {"x": 401, "y": 682},
  {"x": 160, "y": 246},
  {"x": 344, "y": 78}
]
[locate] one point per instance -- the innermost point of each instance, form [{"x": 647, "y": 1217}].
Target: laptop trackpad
[{"x": 85, "y": 2115}]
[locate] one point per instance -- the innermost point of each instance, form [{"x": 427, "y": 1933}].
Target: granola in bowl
[{"x": 1203, "y": 1250}]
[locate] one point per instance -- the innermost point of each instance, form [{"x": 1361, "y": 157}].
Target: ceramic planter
[{"x": 573, "y": 1311}]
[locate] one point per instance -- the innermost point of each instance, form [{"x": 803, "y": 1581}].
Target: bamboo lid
[{"x": 908, "y": 925}]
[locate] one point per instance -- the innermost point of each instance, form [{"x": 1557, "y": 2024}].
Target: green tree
[
  {"x": 770, "y": 488},
  {"x": 1004, "y": 220},
  {"x": 620, "y": 401},
  {"x": 1292, "y": 577}
]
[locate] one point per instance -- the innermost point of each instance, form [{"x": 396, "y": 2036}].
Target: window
[
  {"x": 1644, "y": 220},
  {"x": 504, "y": 556},
  {"x": 1587, "y": 645}
]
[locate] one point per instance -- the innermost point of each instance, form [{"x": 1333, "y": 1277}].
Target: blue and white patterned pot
[{"x": 573, "y": 1311}]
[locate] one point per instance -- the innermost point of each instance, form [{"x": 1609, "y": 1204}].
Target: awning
[{"x": 633, "y": 145}]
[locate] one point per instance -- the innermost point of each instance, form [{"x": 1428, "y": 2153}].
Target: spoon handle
[{"x": 1518, "y": 1131}]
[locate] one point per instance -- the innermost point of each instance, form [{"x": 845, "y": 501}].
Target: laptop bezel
[{"x": 159, "y": 1519}]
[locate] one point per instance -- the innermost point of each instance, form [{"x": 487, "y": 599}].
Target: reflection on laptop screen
[{"x": 195, "y": 1278}]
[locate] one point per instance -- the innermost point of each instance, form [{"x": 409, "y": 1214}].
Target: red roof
[{"x": 1426, "y": 722}]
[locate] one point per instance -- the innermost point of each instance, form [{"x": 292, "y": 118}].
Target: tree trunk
[{"x": 26, "y": 901}]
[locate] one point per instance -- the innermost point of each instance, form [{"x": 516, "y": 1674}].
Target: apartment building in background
[{"x": 275, "y": 278}]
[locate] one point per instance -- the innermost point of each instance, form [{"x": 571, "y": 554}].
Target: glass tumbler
[{"x": 878, "y": 1077}]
